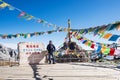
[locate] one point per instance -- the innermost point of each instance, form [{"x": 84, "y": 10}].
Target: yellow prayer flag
[
  {"x": 102, "y": 30},
  {"x": 78, "y": 36},
  {"x": 107, "y": 36},
  {"x": 86, "y": 43},
  {"x": 18, "y": 35},
  {"x": 103, "y": 49},
  {"x": 3, "y": 5},
  {"x": 29, "y": 18},
  {"x": 73, "y": 33},
  {"x": 104, "y": 46}
]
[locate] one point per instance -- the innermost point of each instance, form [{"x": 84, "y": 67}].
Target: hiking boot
[{"x": 53, "y": 62}]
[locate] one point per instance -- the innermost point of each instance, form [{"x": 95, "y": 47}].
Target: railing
[{"x": 9, "y": 62}]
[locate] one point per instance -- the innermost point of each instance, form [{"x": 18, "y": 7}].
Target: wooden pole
[
  {"x": 69, "y": 35},
  {"x": 69, "y": 31}
]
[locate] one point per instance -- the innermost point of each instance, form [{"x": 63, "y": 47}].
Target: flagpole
[
  {"x": 69, "y": 31},
  {"x": 69, "y": 36}
]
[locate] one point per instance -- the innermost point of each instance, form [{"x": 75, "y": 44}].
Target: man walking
[{"x": 51, "y": 49}]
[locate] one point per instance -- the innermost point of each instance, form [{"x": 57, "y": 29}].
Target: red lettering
[
  {"x": 34, "y": 46},
  {"x": 37, "y": 46},
  {"x": 27, "y": 46},
  {"x": 30, "y": 46}
]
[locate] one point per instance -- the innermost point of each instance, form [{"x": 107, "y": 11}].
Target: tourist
[{"x": 51, "y": 49}]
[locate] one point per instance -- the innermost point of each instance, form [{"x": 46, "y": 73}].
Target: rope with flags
[
  {"x": 106, "y": 49},
  {"x": 27, "y": 16},
  {"x": 28, "y": 35},
  {"x": 101, "y": 31},
  {"x": 108, "y": 27}
]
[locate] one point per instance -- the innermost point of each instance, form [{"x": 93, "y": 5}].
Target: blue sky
[{"x": 82, "y": 13}]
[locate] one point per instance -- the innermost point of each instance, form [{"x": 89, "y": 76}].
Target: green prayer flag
[
  {"x": 107, "y": 51},
  {"x": 89, "y": 43},
  {"x": 26, "y": 16},
  {"x": 42, "y": 21},
  {"x": 25, "y": 35},
  {"x": 102, "y": 34},
  {"x": 81, "y": 31}
]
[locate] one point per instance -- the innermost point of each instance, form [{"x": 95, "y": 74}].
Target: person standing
[{"x": 51, "y": 49}]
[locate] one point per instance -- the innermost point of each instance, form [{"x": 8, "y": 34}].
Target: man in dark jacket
[{"x": 51, "y": 49}]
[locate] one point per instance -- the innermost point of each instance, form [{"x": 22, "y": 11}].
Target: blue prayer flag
[{"x": 114, "y": 38}]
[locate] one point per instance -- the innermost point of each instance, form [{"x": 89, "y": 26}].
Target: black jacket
[{"x": 50, "y": 48}]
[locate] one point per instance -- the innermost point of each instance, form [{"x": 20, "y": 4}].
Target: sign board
[{"x": 30, "y": 52}]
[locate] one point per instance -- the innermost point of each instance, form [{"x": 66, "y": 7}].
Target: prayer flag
[
  {"x": 107, "y": 51},
  {"x": 102, "y": 34},
  {"x": 80, "y": 38},
  {"x": 11, "y": 8},
  {"x": 30, "y": 17},
  {"x": 111, "y": 27},
  {"x": 84, "y": 41},
  {"x": 89, "y": 43},
  {"x": 117, "y": 52},
  {"x": 92, "y": 46},
  {"x": 3, "y": 5},
  {"x": 114, "y": 38},
  {"x": 112, "y": 50},
  {"x": 98, "y": 48},
  {"x": 22, "y": 14},
  {"x": 107, "y": 36}
]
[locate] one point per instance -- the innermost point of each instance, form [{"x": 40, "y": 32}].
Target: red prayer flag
[
  {"x": 34, "y": 46},
  {"x": 37, "y": 46},
  {"x": 112, "y": 50},
  {"x": 30, "y": 46},
  {"x": 92, "y": 46},
  {"x": 80, "y": 38},
  {"x": 22, "y": 14}
]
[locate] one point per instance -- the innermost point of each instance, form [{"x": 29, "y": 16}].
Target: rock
[{"x": 7, "y": 53}]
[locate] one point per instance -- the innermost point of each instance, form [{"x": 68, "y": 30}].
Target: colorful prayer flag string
[
  {"x": 99, "y": 47},
  {"x": 28, "y": 16},
  {"x": 27, "y": 35},
  {"x": 99, "y": 29}
]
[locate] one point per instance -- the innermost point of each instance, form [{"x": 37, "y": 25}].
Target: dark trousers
[{"x": 51, "y": 57}]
